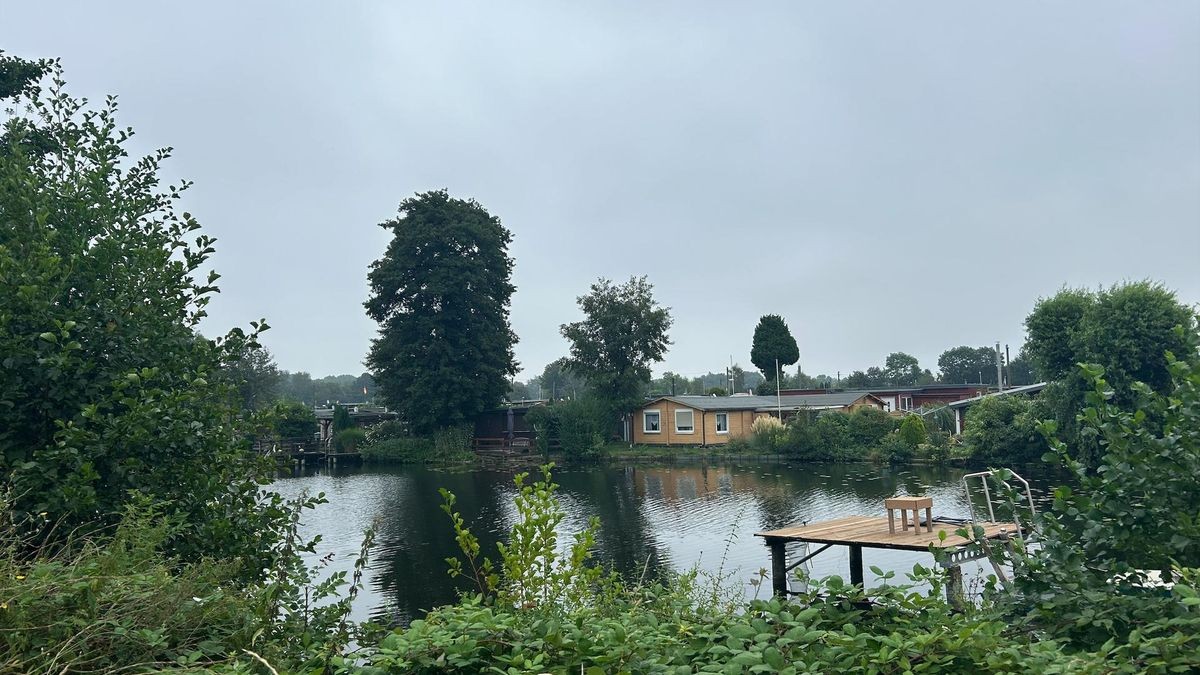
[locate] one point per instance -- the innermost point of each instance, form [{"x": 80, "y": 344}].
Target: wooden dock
[{"x": 859, "y": 532}]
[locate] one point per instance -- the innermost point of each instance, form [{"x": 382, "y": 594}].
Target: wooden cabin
[{"x": 715, "y": 420}]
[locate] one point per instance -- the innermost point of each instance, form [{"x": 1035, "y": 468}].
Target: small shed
[{"x": 506, "y": 427}]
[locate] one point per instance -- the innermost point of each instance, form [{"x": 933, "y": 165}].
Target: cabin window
[
  {"x": 650, "y": 421},
  {"x": 684, "y": 421},
  {"x": 906, "y": 403},
  {"x": 722, "y": 423}
]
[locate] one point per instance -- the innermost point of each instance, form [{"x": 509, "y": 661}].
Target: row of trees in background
[
  {"x": 957, "y": 365},
  {"x": 260, "y": 383},
  {"x": 558, "y": 382}
]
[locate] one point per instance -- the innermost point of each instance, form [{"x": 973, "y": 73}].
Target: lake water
[{"x": 653, "y": 517}]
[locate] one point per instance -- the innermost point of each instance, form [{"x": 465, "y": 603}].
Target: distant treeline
[
  {"x": 303, "y": 387},
  {"x": 261, "y": 383}
]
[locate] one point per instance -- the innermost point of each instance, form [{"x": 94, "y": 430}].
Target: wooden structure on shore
[
  {"x": 934, "y": 534},
  {"x": 859, "y": 532},
  {"x": 505, "y": 431}
]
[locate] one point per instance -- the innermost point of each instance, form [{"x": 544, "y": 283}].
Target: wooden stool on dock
[{"x": 906, "y": 503}]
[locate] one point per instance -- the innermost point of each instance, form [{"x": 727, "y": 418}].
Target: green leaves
[
  {"x": 772, "y": 343},
  {"x": 623, "y": 332},
  {"x": 440, "y": 295}
]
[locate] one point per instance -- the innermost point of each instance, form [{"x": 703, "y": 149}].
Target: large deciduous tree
[
  {"x": 624, "y": 330},
  {"x": 108, "y": 395},
  {"x": 901, "y": 370},
  {"x": 441, "y": 294},
  {"x": 773, "y": 346},
  {"x": 253, "y": 371},
  {"x": 1052, "y": 327},
  {"x": 968, "y": 364},
  {"x": 559, "y": 381},
  {"x": 1127, "y": 328}
]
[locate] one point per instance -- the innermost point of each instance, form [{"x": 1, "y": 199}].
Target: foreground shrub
[
  {"x": 101, "y": 605},
  {"x": 1137, "y": 513},
  {"x": 107, "y": 388},
  {"x": 116, "y": 602}
]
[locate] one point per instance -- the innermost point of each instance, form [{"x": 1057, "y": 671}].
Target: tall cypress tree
[
  {"x": 773, "y": 341},
  {"x": 441, "y": 294}
]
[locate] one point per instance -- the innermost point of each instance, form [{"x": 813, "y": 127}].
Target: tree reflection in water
[{"x": 655, "y": 519}]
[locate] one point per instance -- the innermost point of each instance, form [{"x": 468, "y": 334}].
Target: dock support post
[
  {"x": 856, "y": 566},
  {"x": 779, "y": 586},
  {"x": 954, "y": 586}
]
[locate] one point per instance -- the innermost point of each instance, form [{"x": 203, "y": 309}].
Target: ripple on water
[{"x": 653, "y": 519}]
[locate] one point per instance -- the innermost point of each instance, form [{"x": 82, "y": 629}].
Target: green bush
[
  {"x": 293, "y": 419},
  {"x": 107, "y": 387},
  {"x": 579, "y": 428},
  {"x": 938, "y": 448},
  {"x": 893, "y": 449},
  {"x": 868, "y": 426},
  {"x": 117, "y": 603},
  {"x": 831, "y": 438},
  {"x": 105, "y": 605},
  {"x": 402, "y": 450},
  {"x": 447, "y": 445},
  {"x": 386, "y": 431},
  {"x": 912, "y": 431},
  {"x": 1004, "y": 430},
  {"x": 349, "y": 440},
  {"x": 453, "y": 443},
  {"x": 1136, "y": 511},
  {"x": 768, "y": 435}
]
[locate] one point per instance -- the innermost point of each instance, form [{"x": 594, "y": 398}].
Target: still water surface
[{"x": 653, "y": 517}]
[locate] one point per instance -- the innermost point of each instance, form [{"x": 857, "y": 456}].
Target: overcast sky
[{"x": 886, "y": 176}]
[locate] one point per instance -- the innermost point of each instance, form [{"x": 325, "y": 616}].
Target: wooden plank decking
[
  {"x": 859, "y": 532},
  {"x": 870, "y": 532}
]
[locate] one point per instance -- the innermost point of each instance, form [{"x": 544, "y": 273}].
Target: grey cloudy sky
[{"x": 886, "y": 176}]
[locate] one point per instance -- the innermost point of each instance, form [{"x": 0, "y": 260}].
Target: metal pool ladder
[{"x": 983, "y": 477}]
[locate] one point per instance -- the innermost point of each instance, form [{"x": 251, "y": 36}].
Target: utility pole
[
  {"x": 778, "y": 396},
  {"x": 1007, "y": 360},
  {"x": 999, "y": 369}
]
